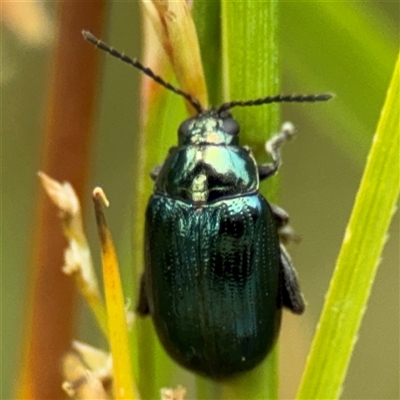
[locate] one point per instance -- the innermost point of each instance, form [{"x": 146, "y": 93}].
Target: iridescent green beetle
[{"x": 216, "y": 271}]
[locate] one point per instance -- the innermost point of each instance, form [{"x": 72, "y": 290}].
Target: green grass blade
[
  {"x": 156, "y": 367},
  {"x": 358, "y": 259},
  {"x": 250, "y": 71},
  {"x": 260, "y": 383},
  {"x": 207, "y": 17},
  {"x": 250, "y": 63}
]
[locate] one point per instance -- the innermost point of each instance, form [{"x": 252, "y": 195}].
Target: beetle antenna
[
  {"x": 279, "y": 98},
  {"x": 147, "y": 71}
]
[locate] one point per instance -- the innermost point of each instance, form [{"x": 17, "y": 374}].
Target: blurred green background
[{"x": 345, "y": 48}]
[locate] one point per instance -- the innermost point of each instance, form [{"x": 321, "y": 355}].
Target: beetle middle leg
[
  {"x": 272, "y": 147},
  {"x": 285, "y": 231},
  {"x": 280, "y": 215}
]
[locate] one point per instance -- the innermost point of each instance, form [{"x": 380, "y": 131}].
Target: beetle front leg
[
  {"x": 292, "y": 297},
  {"x": 155, "y": 172},
  {"x": 272, "y": 147}
]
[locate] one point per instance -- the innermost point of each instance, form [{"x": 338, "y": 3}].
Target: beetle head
[{"x": 209, "y": 127}]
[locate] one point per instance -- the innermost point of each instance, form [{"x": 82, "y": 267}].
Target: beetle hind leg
[
  {"x": 291, "y": 293},
  {"x": 292, "y": 297},
  {"x": 142, "y": 307}
]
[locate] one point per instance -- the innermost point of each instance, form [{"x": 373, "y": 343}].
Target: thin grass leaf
[
  {"x": 250, "y": 71},
  {"x": 207, "y": 16},
  {"x": 358, "y": 259},
  {"x": 161, "y": 115}
]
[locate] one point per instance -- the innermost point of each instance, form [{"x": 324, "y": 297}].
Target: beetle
[{"x": 217, "y": 273}]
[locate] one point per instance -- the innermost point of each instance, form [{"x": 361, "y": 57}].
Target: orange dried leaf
[
  {"x": 77, "y": 256},
  {"x": 81, "y": 382},
  {"x": 175, "y": 28},
  {"x": 123, "y": 384},
  {"x": 173, "y": 394},
  {"x": 95, "y": 359}
]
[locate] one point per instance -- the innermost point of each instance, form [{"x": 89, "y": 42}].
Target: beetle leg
[
  {"x": 280, "y": 215},
  {"x": 142, "y": 307},
  {"x": 155, "y": 172},
  {"x": 292, "y": 297},
  {"x": 286, "y": 232},
  {"x": 272, "y": 147},
  {"x": 288, "y": 235}
]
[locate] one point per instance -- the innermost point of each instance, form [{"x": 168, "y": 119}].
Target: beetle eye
[
  {"x": 185, "y": 126},
  {"x": 230, "y": 126}
]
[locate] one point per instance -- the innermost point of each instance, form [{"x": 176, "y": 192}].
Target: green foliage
[
  {"x": 359, "y": 258},
  {"x": 250, "y": 71}
]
